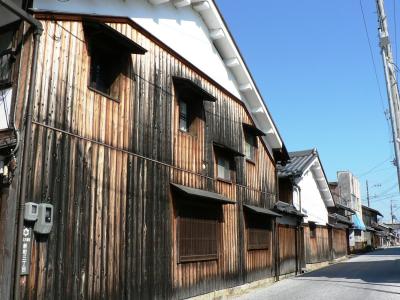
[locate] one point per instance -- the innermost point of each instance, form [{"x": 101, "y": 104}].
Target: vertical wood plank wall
[
  {"x": 339, "y": 245},
  {"x": 287, "y": 249},
  {"x": 106, "y": 167},
  {"x": 317, "y": 249}
]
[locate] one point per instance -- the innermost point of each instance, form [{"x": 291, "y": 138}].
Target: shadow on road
[
  {"x": 357, "y": 285},
  {"x": 377, "y": 271},
  {"x": 383, "y": 271},
  {"x": 386, "y": 251}
]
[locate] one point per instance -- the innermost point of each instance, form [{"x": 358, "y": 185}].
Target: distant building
[
  {"x": 347, "y": 193},
  {"x": 395, "y": 232},
  {"x": 373, "y": 233}
]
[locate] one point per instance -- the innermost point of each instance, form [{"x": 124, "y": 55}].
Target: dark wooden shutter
[
  {"x": 257, "y": 239},
  {"x": 198, "y": 233},
  {"x": 258, "y": 232}
]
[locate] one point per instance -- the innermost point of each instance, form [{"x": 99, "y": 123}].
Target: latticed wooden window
[
  {"x": 257, "y": 239},
  {"x": 258, "y": 232},
  {"x": 313, "y": 230},
  {"x": 250, "y": 145},
  {"x": 198, "y": 233}
]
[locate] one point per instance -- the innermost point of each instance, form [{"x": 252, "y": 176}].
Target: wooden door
[{"x": 287, "y": 249}]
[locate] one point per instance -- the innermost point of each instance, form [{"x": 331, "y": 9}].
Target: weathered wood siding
[
  {"x": 339, "y": 243},
  {"x": 287, "y": 236},
  {"x": 317, "y": 249},
  {"x": 106, "y": 166}
]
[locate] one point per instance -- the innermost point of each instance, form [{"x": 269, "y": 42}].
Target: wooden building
[
  {"x": 370, "y": 219},
  {"x": 155, "y": 149}
]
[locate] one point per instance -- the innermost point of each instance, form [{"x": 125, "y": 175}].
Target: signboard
[{"x": 26, "y": 250}]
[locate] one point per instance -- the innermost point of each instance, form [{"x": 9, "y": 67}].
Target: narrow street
[{"x": 371, "y": 276}]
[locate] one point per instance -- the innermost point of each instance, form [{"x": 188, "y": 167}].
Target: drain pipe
[{"x": 38, "y": 29}]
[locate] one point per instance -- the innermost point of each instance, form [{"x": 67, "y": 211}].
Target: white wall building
[{"x": 311, "y": 193}]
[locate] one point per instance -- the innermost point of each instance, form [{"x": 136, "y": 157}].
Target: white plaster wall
[
  {"x": 182, "y": 29},
  {"x": 312, "y": 203}
]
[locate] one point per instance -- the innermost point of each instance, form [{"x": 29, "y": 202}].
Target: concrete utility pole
[
  {"x": 367, "y": 193},
  {"x": 391, "y": 81}
]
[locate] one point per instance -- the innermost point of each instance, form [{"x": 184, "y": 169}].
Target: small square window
[
  {"x": 110, "y": 57},
  {"x": 250, "y": 145},
  {"x": 105, "y": 69},
  {"x": 223, "y": 167}
]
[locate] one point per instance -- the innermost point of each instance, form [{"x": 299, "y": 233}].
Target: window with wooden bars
[
  {"x": 224, "y": 167},
  {"x": 198, "y": 232},
  {"x": 106, "y": 66},
  {"x": 313, "y": 230},
  {"x": 110, "y": 57},
  {"x": 184, "y": 120},
  {"x": 258, "y": 232},
  {"x": 250, "y": 145},
  {"x": 190, "y": 110}
]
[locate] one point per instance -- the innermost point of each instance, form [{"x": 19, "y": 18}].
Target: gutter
[{"x": 38, "y": 30}]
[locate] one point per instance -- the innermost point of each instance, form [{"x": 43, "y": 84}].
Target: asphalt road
[{"x": 372, "y": 276}]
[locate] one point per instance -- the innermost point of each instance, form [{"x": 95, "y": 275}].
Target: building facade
[{"x": 152, "y": 149}]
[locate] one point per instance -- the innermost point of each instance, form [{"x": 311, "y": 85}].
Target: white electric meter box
[
  {"x": 44, "y": 221},
  {"x": 31, "y": 211}
]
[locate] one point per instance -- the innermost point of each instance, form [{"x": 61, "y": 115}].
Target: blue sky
[{"x": 312, "y": 64}]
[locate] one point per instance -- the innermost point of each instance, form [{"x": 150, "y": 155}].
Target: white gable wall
[{"x": 312, "y": 203}]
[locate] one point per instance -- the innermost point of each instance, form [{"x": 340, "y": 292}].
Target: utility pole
[
  {"x": 367, "y": 192},
  {"x": 391, "y": 81}
]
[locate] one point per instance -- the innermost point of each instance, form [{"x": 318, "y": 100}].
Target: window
[
  {"x": 224, "y": 167},
  {"x": 109, "y": 52},
  {"x": 225, "y": 162},
  {"x": 198, "y": 229},
  {"x": 106, "y": 66},
  {"x": 250, "y": 145},
  {"x": 190, "y": 98},
  {"x": 183, "y": 116},
  {"x": 7, "y": 57},
  {"x": 258, "y": 232},
  {"x": 313, "y": 230},
  {"x": 357, "y": 232}
]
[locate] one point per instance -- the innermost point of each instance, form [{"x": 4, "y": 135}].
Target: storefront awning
[
  {"x": 202, "y": 194},
  {"x": 260, "y": 210},
  {"x": 358, "y": 222}
]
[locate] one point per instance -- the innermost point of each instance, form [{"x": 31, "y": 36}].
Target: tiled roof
[
  {"x": 341, "y": 219},
  {"x": 299, "y": 161},
  {"x": 288, "y": 208}
]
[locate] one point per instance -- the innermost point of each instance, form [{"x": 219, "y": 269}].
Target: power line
[
  {"x": 385, "y": 113},
  {"x": 373, "y": 168},
  {"x": 372, "y": 59}
]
